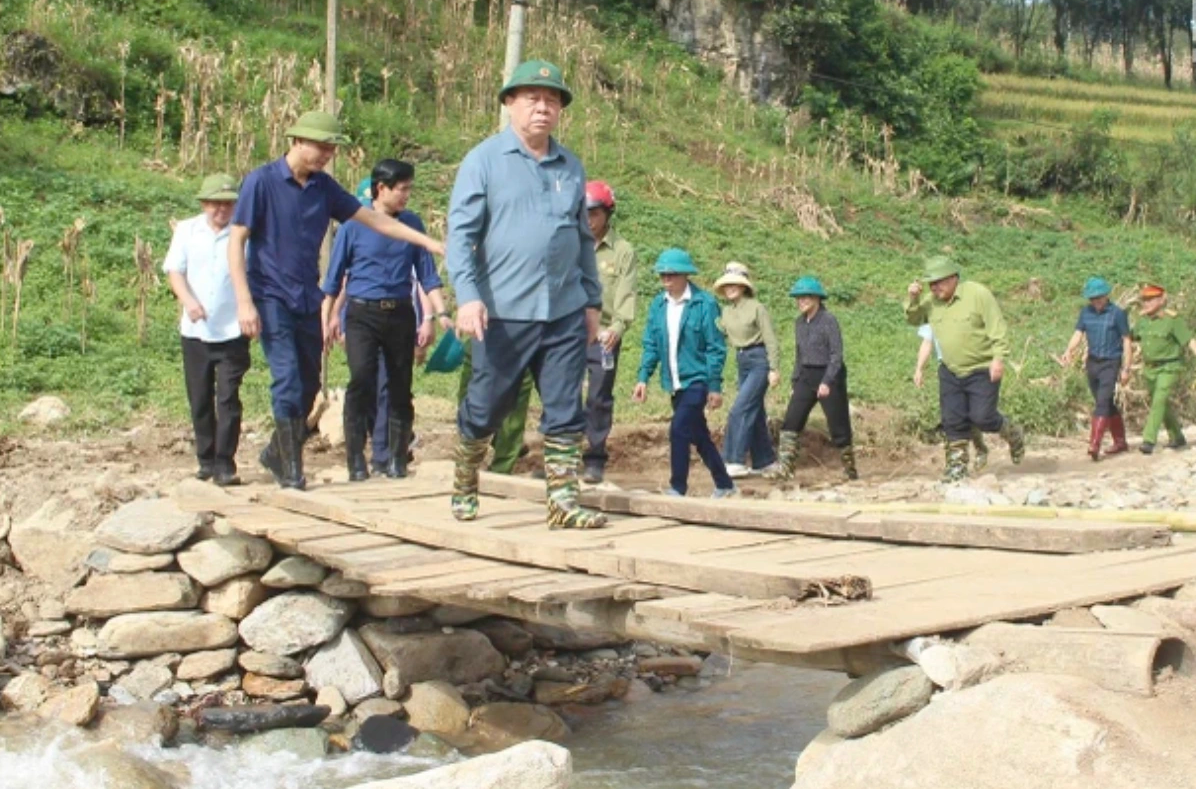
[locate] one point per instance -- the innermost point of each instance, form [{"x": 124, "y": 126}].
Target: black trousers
[
  {"x": 600, "y": 403},
  {"x": 373, "y": 329},
  {"x": 834, "y": 405},
  {"x": 1102, "y": 381},
  {"x": 213, "y": 372},
  {"x": 968, "y": 401}
]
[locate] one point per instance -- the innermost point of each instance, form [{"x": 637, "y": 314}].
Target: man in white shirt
[{"x": 215, "y": 354}]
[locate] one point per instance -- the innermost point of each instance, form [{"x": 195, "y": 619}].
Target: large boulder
[
  {"x": 110, "y": 560},
  {"x": 307, "y": 744},
  {"x": 159, "y": 632},
  {"x": 76, "y": 706},
  {"x": 148, "y": 526},
  {"x": 36, "y": 72},
  {"x": 45, "y": 411},
  {"x": 144, "y": 722},
  {"x": 294, "y": 621},
  {"x": 549, "y": 637},
  {"x": 202, "y": 665},
  {"x": 346, "y": 664},
  {"x": 531, "y": 765},
  {"x": 502, "y": 724},
  {"x": 437, "y": 707},
  {"x": 211, "y": 562},
  {"x": 385, "y": 607},
  {"x": 146, "y": 680},
  {"x": 236, "y": 597},
  {"x": 459, "y": 657},
  {"x": 52, "y": 543},
  {"x": 270, "y": 665},
  {"x": 506, "y": 636},
  {"x": 119, "y": 768},
  {"x": 293, "y": 572},
  {"x": 263, "y": 687},
  {"x": 877, "y": 699},
  {"x": 25, "y": 692},
  {"x": 1029, "y": 731},
  {"x": 109, "y": 595}
]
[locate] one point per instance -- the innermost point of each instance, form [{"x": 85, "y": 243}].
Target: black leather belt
[{"x": 379, "y": 304}]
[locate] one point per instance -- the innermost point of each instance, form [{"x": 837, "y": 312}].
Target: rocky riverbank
[
  {"x": 1091, "y": 698},
  {"x": 165, "y": 625}
]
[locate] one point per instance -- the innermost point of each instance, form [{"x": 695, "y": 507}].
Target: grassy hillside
[{"x": 693, "y": 166}]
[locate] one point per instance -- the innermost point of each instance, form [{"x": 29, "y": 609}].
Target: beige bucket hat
[{"x": 735, "y": 274}]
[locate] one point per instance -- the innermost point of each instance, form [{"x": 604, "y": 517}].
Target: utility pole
[
  {"x": 515, "y": 26},
  {"x": 330, "y": 61}
]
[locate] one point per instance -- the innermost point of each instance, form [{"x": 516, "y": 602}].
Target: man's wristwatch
[
  {"x": 428, "y": 319},
  {"x": 443, "y": 314}
]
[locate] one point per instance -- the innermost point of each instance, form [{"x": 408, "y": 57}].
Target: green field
[
  {"x": 693, "y": 165},
  {"x": 1020, "y": 104}
]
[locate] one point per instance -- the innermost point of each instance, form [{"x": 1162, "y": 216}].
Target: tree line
[{"x": 1131, "y": 27}]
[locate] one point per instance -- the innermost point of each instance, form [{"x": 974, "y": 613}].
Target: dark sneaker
[
  {"x": 1178, "y": 443},
  {"x": 226, "y": 479},
  {"x": 1146, "y": 449},
  {"x": 205, "y": 472},
  {"x": 593, "y": 474}
]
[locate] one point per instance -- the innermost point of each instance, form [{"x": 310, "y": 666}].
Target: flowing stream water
[{"x": 744, "y": 731}]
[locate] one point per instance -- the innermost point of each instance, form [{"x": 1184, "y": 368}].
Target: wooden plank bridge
[{"x": 822, "y": 586}]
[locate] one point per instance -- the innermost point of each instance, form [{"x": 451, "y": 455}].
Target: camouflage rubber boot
[
  {"x": 562, "y": 463},
  {"x": 981, "y": 459},
  {"x": 787, "y": 449},
  {"x": 1016, "y": 438},
  {"x": 957, "y": 461},
  {"x": 849, "y": 469},
  {"x": 468, "y": 459}
]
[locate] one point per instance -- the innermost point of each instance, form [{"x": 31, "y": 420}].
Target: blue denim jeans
[
  {"x": 689, "y": 428},
  {"x": 747, "y": 424},
  {"x": 293, "y": 343}
]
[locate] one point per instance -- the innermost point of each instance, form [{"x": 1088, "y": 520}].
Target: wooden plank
[
  {"x": 500, "y": 590},
  {"x": 353, "y": 542},
  {"x": 696, "y": 573},
  {"x": 687, "y": 608},
  {"x": 1005, "y": 533},
  {"x": 569, "y": 590},
  {"x": 638, "y": 592},
  {"x": 386, "y": 577},
  {"x": 294, "y": 536},
  {"x": 956, "y": 605},
  {"x": 377, "y": 573},
  {"x": 455, "y": 583}
]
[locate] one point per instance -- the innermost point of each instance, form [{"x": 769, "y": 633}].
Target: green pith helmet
[
  {"x": 448, "y": 355},
  {"x": 318, "y": 126},
  {"x": 218, "y": 188},
  {"x": 675, "y": 261},
  {"x": 940, "y": 267},
  {"x": 1096, "y": 287},
  {"x": 808, "y": 286},
  {"x": 537, "y": 74}
]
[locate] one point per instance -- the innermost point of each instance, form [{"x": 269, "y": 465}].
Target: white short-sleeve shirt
[
  {"x": 927, "y": 333},
  {"x": 673, "y": 310},
  {"x": 201, "y": 254}
]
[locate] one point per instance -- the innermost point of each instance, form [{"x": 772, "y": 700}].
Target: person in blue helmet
[
  {"x": 819, "y": 378},
  {"x": 425, "y": 337},
  {"x": 683, "y": 338},
  {"x": 379, "y": 275}
]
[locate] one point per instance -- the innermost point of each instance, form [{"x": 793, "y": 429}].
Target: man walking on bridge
[
  {"x": 974, "y": 339},
  {"x": 273, "y": 260},
  {"x": 521, "y": 259}
]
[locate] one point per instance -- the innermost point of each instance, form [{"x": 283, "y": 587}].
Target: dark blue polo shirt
[
  {"x": 287, "y": 223},
  {"x": 1104, "y": 330},
  {"x": 379, "y": 267}
]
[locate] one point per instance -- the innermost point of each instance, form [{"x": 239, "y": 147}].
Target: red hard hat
[{"x": 600, "y": 195}]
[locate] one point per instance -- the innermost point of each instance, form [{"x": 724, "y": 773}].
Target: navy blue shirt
[
  {"x": 1105, "y": 330},
  {"x": 379, "y": 267},
  {"x": 287, "y": 223}
]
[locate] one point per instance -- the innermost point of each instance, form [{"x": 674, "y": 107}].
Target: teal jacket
[{"x": 701, "y": 351}]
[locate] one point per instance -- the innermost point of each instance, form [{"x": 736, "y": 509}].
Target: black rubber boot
[
  {"x": 355, "y": 448},
  {"x": 271, "y": 457},
  {"x": 398, "y": 439},
  {"x": 291, "y": 433}
]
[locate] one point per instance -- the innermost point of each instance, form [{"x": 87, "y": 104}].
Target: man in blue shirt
[
  {"x": 521, "y": 258},
  {"x": 273, "y": 257},
  {"x": 1107, "y": 328},
  {"x": 380, "y": 275}
]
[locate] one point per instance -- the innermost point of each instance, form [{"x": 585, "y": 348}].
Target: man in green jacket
[
  {"x": 683, "y": 338},
  {"x": 1162, "y": 337},
  {"x": 974, "y": 339}
]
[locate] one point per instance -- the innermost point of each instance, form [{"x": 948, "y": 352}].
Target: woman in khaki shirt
[{"x": 757, "y": 357}]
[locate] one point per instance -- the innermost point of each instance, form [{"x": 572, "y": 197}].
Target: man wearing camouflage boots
[
  {"x": 521, "y": 258},
  {"x": 974, "y": 339}
]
